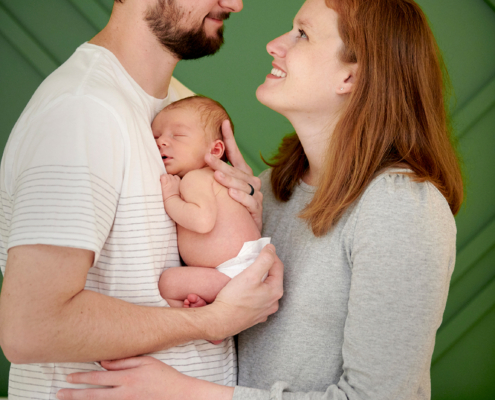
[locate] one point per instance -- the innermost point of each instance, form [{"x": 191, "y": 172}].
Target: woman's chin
[{"x": 267, "y": 99}]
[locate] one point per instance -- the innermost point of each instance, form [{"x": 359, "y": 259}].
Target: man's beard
[{"x": 164, "y": 20}]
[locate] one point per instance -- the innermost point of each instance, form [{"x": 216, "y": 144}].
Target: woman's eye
[{"x": 302, "y": 34}]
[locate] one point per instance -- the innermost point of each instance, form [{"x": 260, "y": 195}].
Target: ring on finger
[{"x": 252, "y": 189}]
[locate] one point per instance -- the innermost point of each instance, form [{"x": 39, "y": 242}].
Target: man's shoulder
[{"x": 88, "y": 73}]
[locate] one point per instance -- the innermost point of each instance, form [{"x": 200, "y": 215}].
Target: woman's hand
[
  {"x": 142, "y": 378},
  {"x": 238, "y": 177}
]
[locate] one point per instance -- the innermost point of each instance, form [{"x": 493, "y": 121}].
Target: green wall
[{"x": 37, "y": 35}]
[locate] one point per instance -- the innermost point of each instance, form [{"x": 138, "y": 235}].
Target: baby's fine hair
[{"x": 211, "y": 113}]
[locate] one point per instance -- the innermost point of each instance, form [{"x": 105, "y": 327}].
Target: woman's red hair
[{"x": 396, "y": 114}]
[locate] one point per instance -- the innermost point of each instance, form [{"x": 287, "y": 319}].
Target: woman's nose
[
  {"x": 277, "y": 47},
  {"x": 232, "y": 5}
]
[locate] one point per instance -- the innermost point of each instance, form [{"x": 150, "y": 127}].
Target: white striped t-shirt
[{"x": 81, "y": 169}]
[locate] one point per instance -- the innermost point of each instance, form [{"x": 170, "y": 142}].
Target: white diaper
[{"x": 247, "y": 255}]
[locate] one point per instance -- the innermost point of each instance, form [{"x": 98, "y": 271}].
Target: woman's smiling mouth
[{"x": 278, "y": 73}]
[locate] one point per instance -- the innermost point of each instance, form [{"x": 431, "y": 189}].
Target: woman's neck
[{"x": 315, "y": 137}]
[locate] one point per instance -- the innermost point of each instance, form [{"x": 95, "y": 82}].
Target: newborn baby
[{"x": 217, "y": 236}]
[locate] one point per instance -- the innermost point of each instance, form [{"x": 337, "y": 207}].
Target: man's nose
[{"x": 231, "y": 5}]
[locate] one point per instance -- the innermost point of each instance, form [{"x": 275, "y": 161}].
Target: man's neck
[{"x": 140, "y": 53}]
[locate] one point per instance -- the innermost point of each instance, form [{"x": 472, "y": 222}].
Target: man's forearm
[
  {"x": 46, "y": 315},
  {"x": 94, "y": 327}
]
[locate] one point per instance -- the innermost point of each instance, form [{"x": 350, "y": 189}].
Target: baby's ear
[{"x": 217, "y": 148}]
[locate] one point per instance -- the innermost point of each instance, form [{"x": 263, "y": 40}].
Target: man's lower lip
[{"x": 218, "y": 21}]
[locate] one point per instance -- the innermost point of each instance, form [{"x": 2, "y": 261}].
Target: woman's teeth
[{"x": 279, "y": 73}]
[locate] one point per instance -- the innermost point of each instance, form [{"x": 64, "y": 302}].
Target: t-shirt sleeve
[
  {"x": 400, "y": 242},
  {"x": 67, "y": 175}
]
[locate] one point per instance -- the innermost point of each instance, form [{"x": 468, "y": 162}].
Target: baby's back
[{"x": 233, "y": 227}]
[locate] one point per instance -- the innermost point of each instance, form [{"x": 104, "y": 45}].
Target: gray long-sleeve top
[{"x": 361, "y": 305}]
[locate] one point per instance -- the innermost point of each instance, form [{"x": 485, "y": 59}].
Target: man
[{"x": 84, "y": 232}]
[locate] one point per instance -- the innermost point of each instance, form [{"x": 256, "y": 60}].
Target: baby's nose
[{"x": 161, "y": 142}]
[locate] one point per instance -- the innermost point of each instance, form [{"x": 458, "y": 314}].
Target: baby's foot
[{"x": 194, "y": 301}]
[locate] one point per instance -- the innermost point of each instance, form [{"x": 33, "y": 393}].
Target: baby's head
[{"x": 187, "y": 130}]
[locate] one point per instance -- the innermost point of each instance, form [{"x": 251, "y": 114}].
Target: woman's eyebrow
[{"x": 302, "y": 22}]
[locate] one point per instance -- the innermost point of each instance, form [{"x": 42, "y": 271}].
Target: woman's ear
[
  {"x": 347, "y": 84},
  {"x": 217, "y": 148}
]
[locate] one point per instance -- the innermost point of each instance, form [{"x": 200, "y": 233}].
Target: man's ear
[
  {"x": 217, "y": 148},
  {"x": 347, "y": 84}
]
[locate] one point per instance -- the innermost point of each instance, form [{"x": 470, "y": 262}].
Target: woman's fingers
[
  {"x": 98, "y": 378},
  {"x": 235, "y": 180},
  {"x": 127, "y": 363},
  {"x": 228, "y": 170},
  {"x": 233, "y": 153},
  {"x": 254, "y": 204},
  {"x": 112, "y": 377},
  {"x": 87, "y": 394},
  {"x": 238, "y": 178}
]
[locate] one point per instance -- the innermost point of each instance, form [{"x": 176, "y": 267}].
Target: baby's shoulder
[
  {"x": 198, "y": 178},
  {"x": 201, "y": 174}
]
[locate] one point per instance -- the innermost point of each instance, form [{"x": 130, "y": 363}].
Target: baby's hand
[{"x": 170, "y": 186}]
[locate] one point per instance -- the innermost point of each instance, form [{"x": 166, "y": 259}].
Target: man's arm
[
  {"x": 177, "y": 283},
  {"x": 47, "y": 316},
  {"x": 197, "y": 211}
]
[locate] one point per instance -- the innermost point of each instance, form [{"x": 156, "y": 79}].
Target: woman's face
[{"x": 307, "y": 76}]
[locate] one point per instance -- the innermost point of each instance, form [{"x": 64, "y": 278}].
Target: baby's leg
[{"x": 177, "y": 283}]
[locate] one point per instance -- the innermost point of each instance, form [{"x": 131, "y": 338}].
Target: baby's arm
[
  {"x": 197, "y": 209},
  {"x": 177, "y": 283}
]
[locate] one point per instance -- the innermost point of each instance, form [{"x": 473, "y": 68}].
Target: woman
[{"x": 359, "y": 205}]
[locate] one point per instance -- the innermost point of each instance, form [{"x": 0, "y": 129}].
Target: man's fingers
[
  {"x": 276, "y": 273},
  {"x": 265, "y": 260}
]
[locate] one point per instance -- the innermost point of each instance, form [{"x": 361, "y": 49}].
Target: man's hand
[
  {"x": 246, "y": 300},
  {"x": 170, "y": 186},
  {"x": 238, "y": 177}
]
